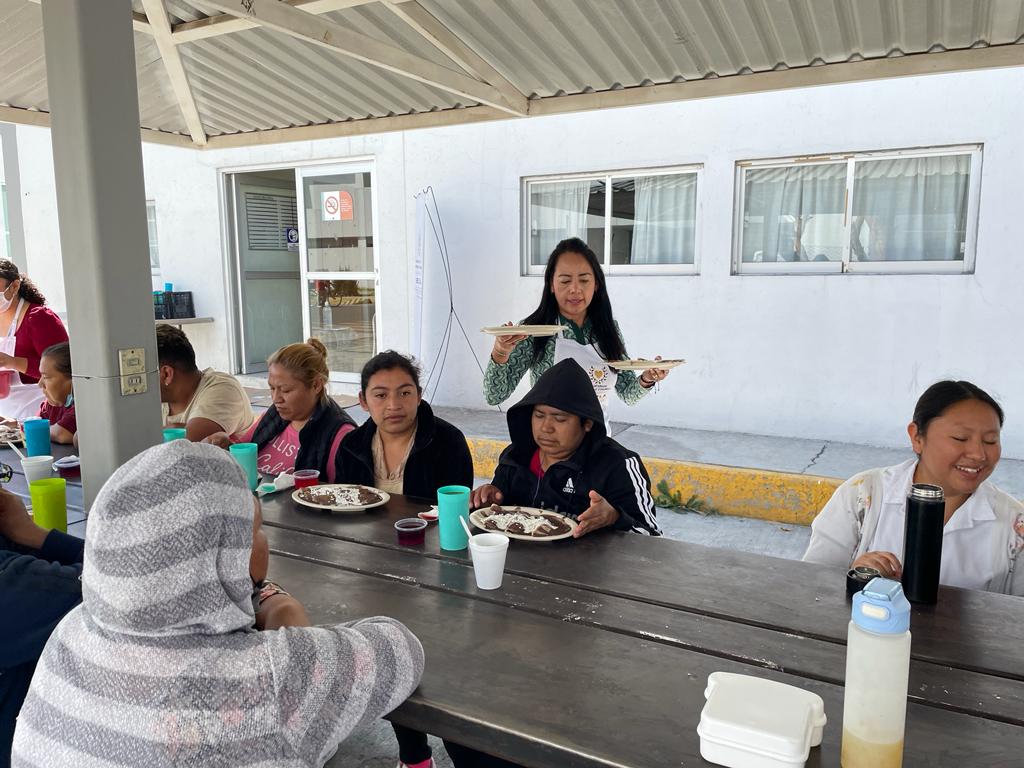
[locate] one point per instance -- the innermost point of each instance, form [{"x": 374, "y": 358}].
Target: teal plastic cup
[
  {"x": 452, "y": 503},
  {"x": 174, "y": 433},
  {"x": 245, "y": 455}
]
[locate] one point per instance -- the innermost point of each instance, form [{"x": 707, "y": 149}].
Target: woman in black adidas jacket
[{"x": 562, "y": 459}]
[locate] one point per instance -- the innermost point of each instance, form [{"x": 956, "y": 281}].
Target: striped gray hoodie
[{"x": 160, "y": 664}]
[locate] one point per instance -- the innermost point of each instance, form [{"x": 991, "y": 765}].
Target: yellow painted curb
[{"x": 782, "y": 497}]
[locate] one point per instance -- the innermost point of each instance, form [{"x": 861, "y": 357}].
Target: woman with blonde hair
[{"x": 303, "y": 427}]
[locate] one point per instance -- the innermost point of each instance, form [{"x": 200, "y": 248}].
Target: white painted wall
[{"x": 839, "y": 357}]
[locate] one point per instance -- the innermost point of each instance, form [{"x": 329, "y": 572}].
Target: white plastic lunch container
[{"x": 749, "y": 722}]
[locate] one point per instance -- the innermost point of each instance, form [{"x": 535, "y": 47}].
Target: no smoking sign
[{"x": 336, "y": 205}]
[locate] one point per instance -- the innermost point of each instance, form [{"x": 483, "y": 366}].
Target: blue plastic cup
[
  {"x": 37, "y": 437},
  {"x": 245, "y": 455},
  {"x": 452, "y": 503},
  {"x": 174, "y": 433}
]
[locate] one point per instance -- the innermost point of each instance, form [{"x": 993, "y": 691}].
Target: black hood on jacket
[{"x": 565, "y": 386}]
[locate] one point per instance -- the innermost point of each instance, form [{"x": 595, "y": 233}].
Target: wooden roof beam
[
  {"x": 451, "y": 45},
  {"x": 160, "y": 25},
  {"x": 225, "y": 23}
]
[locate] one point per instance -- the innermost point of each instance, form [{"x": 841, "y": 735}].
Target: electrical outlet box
[
  {"x": 132, "y": 364},
  {"x": 133, "y": 384},
  {"x": 132, "y": 360}
]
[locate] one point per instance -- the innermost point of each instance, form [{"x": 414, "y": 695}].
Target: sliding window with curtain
[
  {"x": 557, "y": 210},
  {"x": 910, "y": 209},
  {"x": 635, "y": 222},
  {"x": 665, "y": 219}
]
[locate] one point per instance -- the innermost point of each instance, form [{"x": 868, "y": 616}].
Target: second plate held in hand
[
  {"x": 640, "y": 364},
  {"x": 523, "y": 330},
  {"x": 341, "y": 498}
]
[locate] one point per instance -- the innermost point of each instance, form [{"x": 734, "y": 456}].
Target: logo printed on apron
[{"x": 600, "y": 373}]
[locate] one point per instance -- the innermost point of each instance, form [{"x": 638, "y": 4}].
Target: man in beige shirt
[{"x": 203, "y": 402}]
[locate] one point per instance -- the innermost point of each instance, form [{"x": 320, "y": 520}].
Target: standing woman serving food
[
  {"x": 27, "y": 328},
  {"x": 575, "y": 297}
]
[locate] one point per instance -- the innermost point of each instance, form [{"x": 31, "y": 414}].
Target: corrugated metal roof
[{"x": 261, "y": 79}]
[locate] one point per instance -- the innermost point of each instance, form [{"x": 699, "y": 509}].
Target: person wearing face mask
[
  {"x": 575, "y": 297},
  {"x": 955, "y": 434},
  {"x": 304, "y": 427},
  {"x": 27, "y": 327},
  {"x": 59, "y": 404},
  {"x": 160, "y": 664}
]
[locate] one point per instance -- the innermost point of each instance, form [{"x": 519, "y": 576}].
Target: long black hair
[
  {"x": 602, "y": 322},
  {"x": 941, "y": 395}
]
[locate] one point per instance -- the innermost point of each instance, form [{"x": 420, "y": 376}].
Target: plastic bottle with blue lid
[{"x": 877, "y": 674}]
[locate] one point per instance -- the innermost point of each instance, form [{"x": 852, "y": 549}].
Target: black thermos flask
[{"x": 922, "y": 543}]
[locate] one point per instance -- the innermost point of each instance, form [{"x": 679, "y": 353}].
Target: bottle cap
[
  {"x": 882, "y": 608},
  {"x": 859, "y": 577},
  {"x": 926, "y": 492}
]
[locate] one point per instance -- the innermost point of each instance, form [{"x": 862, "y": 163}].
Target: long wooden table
[{"x": 596, "y": 651}]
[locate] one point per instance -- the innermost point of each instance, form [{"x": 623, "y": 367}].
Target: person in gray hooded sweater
[{"x": 161, "y": 665}]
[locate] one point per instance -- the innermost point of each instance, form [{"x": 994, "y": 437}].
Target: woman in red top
[{"x": 27, "y": 328}]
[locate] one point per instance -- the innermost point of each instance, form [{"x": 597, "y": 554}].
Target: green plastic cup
[
  {"x": 50, "y": 503},
  {"x": 452, "y": 503},
  {"x": 174, "y": 433},
  {"x": 245, "y": 455}
]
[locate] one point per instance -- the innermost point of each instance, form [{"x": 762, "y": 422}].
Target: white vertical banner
[{"x": 419, "y": 255}]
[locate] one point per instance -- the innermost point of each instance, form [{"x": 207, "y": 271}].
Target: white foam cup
[
  {"x": 488, "y": 553},
  {"x": 37, "y": 467}
]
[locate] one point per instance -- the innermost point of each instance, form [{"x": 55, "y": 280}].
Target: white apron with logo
[
  {"x": 600, "y": 373},
  {"x": 24, "y": 400}
]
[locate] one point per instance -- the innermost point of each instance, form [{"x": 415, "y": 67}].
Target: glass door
[
  {"x": 267, "y": 268},
  {"x": 339, "y": 267}
]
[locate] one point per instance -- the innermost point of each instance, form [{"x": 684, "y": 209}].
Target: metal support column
[{"x": 101, "y": 205}]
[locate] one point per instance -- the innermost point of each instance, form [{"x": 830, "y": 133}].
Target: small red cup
[
  {"x": 306, "y": 477},
  {"x": 411, "y": 531}
]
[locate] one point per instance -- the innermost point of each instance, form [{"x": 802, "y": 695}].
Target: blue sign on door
[{"x": 291, "y": 236}]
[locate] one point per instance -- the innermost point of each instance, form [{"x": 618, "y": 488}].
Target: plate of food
[
  {"x": 341, "y": 498},
  {"x": 525, "y": 523},
  {"x": 523, "y": 330},
  {"x": 11, "y": 435},
  {"x": 641, "y": 364}
]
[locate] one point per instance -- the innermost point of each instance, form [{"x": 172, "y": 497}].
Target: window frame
[
  {"x": 846, "y": 266},
  {"x": 526, "y": 268},
  {"x": 154, "y": 271}
]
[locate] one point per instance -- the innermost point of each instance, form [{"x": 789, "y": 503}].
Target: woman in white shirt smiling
[{"x": 955, "y": 434}]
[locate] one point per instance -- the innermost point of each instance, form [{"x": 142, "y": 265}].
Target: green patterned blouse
[{"x": 501, "y": 380}]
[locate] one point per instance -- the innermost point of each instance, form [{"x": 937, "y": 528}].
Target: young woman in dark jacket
[{"x": 403, "y": 447}]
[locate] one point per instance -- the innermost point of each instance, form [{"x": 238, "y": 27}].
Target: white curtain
[
  {"x": 557, "y": 211},
  {"x": 664, "y": 215},
  {"x": 910, "y": 209},
  {"x": 780, "y": 205}
]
